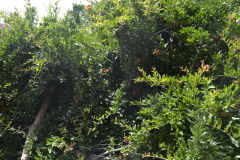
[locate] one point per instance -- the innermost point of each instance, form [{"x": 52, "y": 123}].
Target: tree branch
[{"x": 41, "y": 113}]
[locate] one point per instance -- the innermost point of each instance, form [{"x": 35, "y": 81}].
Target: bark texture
[{"x": 36, "y": 123}]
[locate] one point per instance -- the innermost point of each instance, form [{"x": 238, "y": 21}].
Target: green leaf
[
  {"x": 235, "y": 118},
  {"x": 238, "y": 156},
  {"x": 211, "y": 87},
  {"x": 209, "y": 121},
  {"x": 234, "y": 141}
]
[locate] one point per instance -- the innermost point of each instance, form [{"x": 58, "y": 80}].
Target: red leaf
[{"x": 157, "y": 52}]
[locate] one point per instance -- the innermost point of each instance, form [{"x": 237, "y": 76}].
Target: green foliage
[
  {"x": 119, "y": 91},
  {"x": 185, "y": 119}
]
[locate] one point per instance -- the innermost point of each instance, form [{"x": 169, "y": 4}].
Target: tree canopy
[{"x": 121, "y": 79}]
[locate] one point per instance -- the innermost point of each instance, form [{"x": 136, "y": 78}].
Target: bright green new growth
[{"x": 123, "y": 79}]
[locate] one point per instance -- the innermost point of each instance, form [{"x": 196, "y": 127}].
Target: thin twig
[
  {"x": 233, "y": 77},
  {"x": 163, "y": 30},
  {"x": 106, "y": 153},
  {"x": 220, "y": 130}
]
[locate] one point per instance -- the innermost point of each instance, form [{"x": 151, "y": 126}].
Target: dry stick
[{"x": 41, "y": 113}]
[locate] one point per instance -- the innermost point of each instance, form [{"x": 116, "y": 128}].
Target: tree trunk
[{"x": 41, "y": 113}]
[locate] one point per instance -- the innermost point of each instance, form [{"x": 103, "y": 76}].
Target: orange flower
[
  {"x": 218, "y": 38},
  {"x": 76, "y": 101},
  {"x": 5, "y": 109},
  {"x": 223, "y": 114},
  {"x": 122, "y": 156},
  {"x": 107, "y": 70},
  {"x": 156, "y": 52},
  {"x": 88, "y": 7}
]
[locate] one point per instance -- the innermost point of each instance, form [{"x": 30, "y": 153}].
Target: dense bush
[{"x": 125, "y": 79}]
